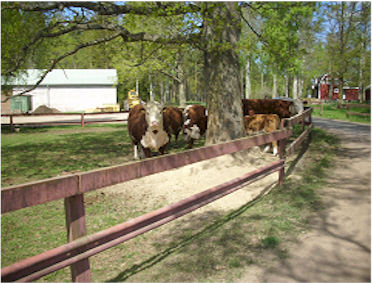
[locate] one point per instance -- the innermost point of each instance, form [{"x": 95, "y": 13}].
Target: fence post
[
  {"x": 76, "y": 228},
  {"x": 11, "y": 123},
  {"x": 82, "y": 120},
  {"x": 282, "y": 145}
]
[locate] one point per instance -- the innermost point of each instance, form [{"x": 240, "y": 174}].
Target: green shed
[{"x": 20, "y": 103}]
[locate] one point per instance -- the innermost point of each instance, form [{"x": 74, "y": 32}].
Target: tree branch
[
  {"x": 162, "y": 9},
  {"x": 56, "y": 61}
]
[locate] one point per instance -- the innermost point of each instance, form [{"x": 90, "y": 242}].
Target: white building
[{"x": 70, "y": 90}]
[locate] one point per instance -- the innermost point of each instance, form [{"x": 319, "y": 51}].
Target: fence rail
[
  {"x": 72, "y": 188},
  {"x": 348, "y": 106},
  {"x": 80, "y": 116},
  {"x": 316, "y": 102}
]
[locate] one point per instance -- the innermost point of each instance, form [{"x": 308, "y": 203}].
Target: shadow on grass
[{"x": 34, "y": 159}]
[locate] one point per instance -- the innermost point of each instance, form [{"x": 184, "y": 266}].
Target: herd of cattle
[{"x": 150, "y": 126}]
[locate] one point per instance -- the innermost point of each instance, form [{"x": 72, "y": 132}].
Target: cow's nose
[{"x": 154, "y": 123}]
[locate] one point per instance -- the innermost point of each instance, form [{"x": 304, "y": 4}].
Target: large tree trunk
[{"x": 225, "y": 114}]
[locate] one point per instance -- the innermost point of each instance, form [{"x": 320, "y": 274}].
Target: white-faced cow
[
  {"x": 195, "y": 124},
  {"x": 145, "y": 127},
  {"x": 173, "y": 121},
  {"x": 262, "y": 122}
]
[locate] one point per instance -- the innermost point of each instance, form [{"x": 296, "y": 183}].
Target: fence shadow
[{"x": 179, "y": 241}]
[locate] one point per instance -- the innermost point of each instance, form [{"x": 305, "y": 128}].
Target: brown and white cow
[
  {"x": 145, "y": 127},
  {"x": 195, "y": 124},
  {"x": 283, "y": 108},
  {"x": 262, "y": 122},
  {"x": 173, "y": 121}
]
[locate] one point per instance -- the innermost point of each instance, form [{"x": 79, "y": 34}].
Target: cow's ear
[
  {"x": 143, "y": 111},
  {"x": 164, "y": 110}
]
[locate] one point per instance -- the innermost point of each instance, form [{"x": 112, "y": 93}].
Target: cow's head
[
  {"x": 191, "y": 130},
  {"x": 296, "y": 107},
  {"x": 154, "y": 116}
]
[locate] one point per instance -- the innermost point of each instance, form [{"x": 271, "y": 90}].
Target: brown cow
[
  {"x": 173, "y": 121},
  {"x": 195, "y": 124},
  {"x": 145, "y": 127},
  {"x": 283, "y": 108},
  {"x": 262, "y": 122}
]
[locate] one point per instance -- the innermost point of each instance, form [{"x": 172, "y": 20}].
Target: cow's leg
[
  {"x": 275, "y": 148},
  {"x": 135, "y": 150},
  {"x": 191, "y": 143},
  {"x": 146, "y": 152},
  {"x": 162, "y": 149},
  {"x": 267, "y": 148},
  {"x": 176, "y": 137}
]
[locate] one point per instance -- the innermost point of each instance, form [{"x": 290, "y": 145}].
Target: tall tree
[
  {"x": 221, "y": 31},
  {"x": 342, "y": 21}
]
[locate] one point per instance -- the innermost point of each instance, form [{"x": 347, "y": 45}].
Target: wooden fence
[
  {"x": 71, "y": 188},
  {"x": 348, "y": 106},
  {"x": 316, "y": 102},
  {"x": 81, "y": 116}
]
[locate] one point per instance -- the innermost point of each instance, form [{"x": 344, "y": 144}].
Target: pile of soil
[{"x": 43, "y": 109}]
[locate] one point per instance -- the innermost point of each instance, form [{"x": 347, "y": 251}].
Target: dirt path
[{"x": 338, "y": 247}]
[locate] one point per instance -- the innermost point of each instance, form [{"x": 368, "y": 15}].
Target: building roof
[{"x": 67, "y": 77}]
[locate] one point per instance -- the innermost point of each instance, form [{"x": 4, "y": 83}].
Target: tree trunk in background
[
  {"x": 275, "y": 86},
  {"x": 361, "y": 78},
  {"x": 167, "y": 91},
  {"x": 330, "y": 98},
  {"x": 162, "y": 96},
  {"x": 295, "y": 87},
  {"x": 248, "y": 87},
  {"x": 221, "y": 30},
  {"x": 287, "y": 86},
  {"x": 152, "y": 95},
  {"x": 182, "y": 94}
]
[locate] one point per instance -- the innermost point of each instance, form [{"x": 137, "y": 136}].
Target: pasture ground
[
  {"x": 217, "y": 243},
  {"x": 331, "y": 111}
]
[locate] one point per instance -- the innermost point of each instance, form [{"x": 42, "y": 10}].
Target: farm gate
[{"x": 71, "y": 188}]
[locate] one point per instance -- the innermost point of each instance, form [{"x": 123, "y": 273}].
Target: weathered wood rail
[
  {"x": 316, "y": 102},
  {"x": 348, "y": 106},
  {"x": 71, "y": 188},
  {"x": 80, "y": 116}
]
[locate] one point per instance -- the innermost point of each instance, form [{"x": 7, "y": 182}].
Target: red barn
[{"x": 322, "y": 86}]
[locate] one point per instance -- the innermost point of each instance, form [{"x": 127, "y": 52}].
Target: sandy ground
[
  {"x": 174, "y": 185},
  {"x": 338, "y": 248}
]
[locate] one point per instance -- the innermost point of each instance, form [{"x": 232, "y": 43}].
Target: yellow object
[
  {"x": 133, "y": 98},
  {"x": 111, "y": 107}
]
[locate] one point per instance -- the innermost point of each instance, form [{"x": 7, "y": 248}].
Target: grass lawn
[
  {"x": 332, "y": 112},
  {"x": 39, "y": 153},
  {"x": 215, "y": 248}
]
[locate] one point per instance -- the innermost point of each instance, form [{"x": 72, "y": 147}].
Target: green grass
[
  {"x": 39, "y": 153},
  {"x": 331, "y": 111},
  {"x": 216, "y": 246}
]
